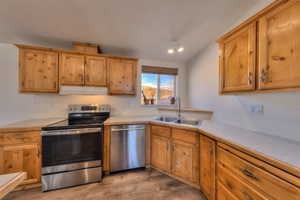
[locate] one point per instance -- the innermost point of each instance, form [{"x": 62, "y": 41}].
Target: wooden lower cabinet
[
  {"x": 160, "y": 153},
  {"x": 21, "y": 157},
  {"x": 185, "y": 161},
  {"x": 176, "y": 152},
  {"x": 19, "y": 152},
  {"x": 224, "y": 193},
  {"x": 255, "y": 182},
  {"x": 208, "y": 166}
]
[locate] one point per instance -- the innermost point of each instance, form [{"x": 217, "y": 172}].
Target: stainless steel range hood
[{"x": 74, "y": 90}]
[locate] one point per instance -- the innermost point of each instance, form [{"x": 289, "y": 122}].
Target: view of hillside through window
[{"x": 157, "y": 88}]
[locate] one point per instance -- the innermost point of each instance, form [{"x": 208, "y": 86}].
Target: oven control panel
[{"x": 82, "y": 108}]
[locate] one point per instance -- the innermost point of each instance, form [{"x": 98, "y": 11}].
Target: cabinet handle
[
  {"x": 264, "y": 75},
  {"x": 249, "y": 174},
  {"x": 278, "y": 58},
  {"x": 21, "y": 138},
  {"x": 211, "y": 150},
  {"x": 39, "y": 153},
  {"x": 168, "y": 146},
  {"x": 250, "y": 78},
  {"x": 54, "y": 84},
  {"x": 247, "y": 196}
]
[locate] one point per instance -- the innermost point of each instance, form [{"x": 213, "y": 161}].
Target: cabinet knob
[{"x": 250, "y": 78}]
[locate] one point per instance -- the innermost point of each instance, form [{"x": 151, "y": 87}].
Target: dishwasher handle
[{"x": 127, "y": 129}]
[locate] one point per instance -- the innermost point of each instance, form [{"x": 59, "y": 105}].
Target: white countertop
[
  {"x": 275, "y": 147},
  {"x": 33, "y": 124},
  {"x": 8, "y": 182}
]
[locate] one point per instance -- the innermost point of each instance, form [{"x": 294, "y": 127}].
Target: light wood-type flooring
[{"x": 133, "y": 185}]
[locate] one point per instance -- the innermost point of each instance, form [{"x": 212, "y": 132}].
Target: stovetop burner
[
  {"x": 82, "y": 116},
  {"x": 65, "y": 124}
]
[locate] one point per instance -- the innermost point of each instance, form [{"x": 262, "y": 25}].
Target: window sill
[{"x": 158, "y": 106}]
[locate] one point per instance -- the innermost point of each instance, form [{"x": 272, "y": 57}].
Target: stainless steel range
[{"x": 72, "y": 150}]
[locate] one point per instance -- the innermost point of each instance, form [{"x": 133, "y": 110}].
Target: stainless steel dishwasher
[{"x": 127, "y": 149}]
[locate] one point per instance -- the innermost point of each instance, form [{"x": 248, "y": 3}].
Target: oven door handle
[{"x": 71, "y": 131}]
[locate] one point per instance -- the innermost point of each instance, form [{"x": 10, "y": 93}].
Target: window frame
[{"x": 158, "y": 89}]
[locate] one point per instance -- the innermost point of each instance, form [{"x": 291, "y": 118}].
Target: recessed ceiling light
[
  {"x": 170, "y": 51},
  {"x": 180, "y": 49}
]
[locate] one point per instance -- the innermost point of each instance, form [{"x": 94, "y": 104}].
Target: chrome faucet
[{"x": 178, "y": 109}]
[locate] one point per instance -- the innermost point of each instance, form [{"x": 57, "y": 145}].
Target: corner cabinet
[
  {"x": 274, "y": 67},
  {"x": 122, "y": 76},
  {"x": 38, "y": 71},
  {"x": 208, "y": 167}
]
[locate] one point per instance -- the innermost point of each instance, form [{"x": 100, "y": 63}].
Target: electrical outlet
[{"x": 256, "y": 108}]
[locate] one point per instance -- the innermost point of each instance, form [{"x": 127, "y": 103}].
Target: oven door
[{"x": 71, "y": 146}]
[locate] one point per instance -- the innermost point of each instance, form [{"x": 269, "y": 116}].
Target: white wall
[
  {"x": 15, "y": 106},
  {"x": 281, "y": 115}
]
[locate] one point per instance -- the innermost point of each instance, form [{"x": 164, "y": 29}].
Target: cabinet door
[
  {"x": 185, "y": 161},
  {"x": 160, "y": 153},
  {"x": 237, "y": 61},
  {"x": 224, "y": 193},
  {"x": 122, "y": 76},
  {"x": 38, "y": 71},
  {"x": 23, "y": 157},
  {"x": 279, "y": 47},
  {"x": 95, "y": 71},
  {"x": 207, "y": 166},
  {"x": 71, "y": 69}
]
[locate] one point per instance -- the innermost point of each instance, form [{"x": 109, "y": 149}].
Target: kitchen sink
[
  {"x": 182, "y": 121},
  {"x": 189, "y": 122},
  {"x": 167, "y": 119}
]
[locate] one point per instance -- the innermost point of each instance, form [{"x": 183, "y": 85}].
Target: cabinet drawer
[
  {"x": 257, "y": 178},
  {"x": 161, "y": 131},
  {"x": 186, "y": 136},
  {"x": 20, "y": 138},
  {"x": 237, "y": 186},
  {"x": 223, "y": 193}
]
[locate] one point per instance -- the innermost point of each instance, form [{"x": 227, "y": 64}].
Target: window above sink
[{"x": 158, "y": 85}]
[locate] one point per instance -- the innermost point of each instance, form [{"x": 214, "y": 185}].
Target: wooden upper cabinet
[
  {"x": 207, "y": 166},
  {"x": 160, "y": 153},
  {"x": 38, "y": 71},
  {"x": 71, "y": 69},
  {"x": 237, "y": 60},
  {"x": 279, "y": 47},
  {"x": 95, "y": 71},
  {"x": 274, "y": 66},
  {"x": 122, "y": 76}
]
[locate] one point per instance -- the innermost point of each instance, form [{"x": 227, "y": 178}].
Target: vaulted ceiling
[{"x": 140, "y": 28}]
